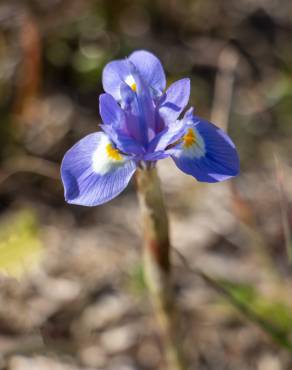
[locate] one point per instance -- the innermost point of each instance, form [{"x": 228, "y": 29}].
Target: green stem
[{"x": 157, "y": 266}]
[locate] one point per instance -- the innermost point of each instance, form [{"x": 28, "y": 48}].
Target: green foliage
[
  {"x": 20, "y": 246},
  {"x": 274, "y": 317},
  {"x": 136, "y": 281}
]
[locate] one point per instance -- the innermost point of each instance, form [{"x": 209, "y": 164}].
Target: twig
[
  {"x": 224, "y": 84},
  {"x": 284, "y": 206},
  {"x": 223, "y": 94},
  {"x": 29, "y": 74},
  {"x": 26, "y": 163}
]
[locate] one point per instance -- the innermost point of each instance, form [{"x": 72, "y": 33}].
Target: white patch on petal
[
  {"x": 131, "y": 82},
  {"x": 102, "y": 162},
  {"x": 193, "y": 145}
]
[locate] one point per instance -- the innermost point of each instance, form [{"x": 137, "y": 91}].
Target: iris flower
[{"x": 142, "y": 124}]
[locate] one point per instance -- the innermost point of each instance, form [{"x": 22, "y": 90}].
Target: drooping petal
[
  {"x": 114, "y": 75},
  {"x": 206, "y": 152},
  {"x": 94, "y": 172},
  {"x": 174, "y": 100},
  {"x": 150, "y": 69}
]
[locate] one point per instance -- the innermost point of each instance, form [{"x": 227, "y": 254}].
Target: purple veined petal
[
  {"x": 122, "y": 126},
  {"x": 132, "y": 114},
  {"x": 206, "y": 152},
  {"x": 128, "y": 95},
  {"x": 139, "y": 109},
  {"x": 115, "y": 126},
  {"x": 110, "y": 111},
  {"x": 145, "y": 104},
  {"x": 93, "y": 172},
  {"x": 168, "y": 136},
  {"x": 135, "y": 123},
  {"x": 189, "y": 114},
  {"x": 174, "y": 100},
  {"x": 155, "y": 156},
  {"x": 123, "y": 142},
  {"x": 150, "y": 69},
  {"x": 114, "y": 74}
]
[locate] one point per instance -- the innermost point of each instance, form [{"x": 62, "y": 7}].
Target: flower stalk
[{"x": 157, "y": 265}]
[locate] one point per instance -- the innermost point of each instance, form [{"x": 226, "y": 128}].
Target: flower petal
[
  {"x": 110, "y": 111},
  {"x": 116, "y": 125},
  {"x": 150, "y": 69},
  {"x": 123, "y": 142},
  {"x": 174, "y": 100},
  {"x": 132, "y": 113},
  {"x": 114, "y": 74},
  {"x": 145, "y": 104},
  {"x": 139, "y": 108},
  {"x": 155, "y": 156},
  {"x": 168, "y": 136},
  {"x": 206, "y": 152},
  {"x": 93, "y": 172}
]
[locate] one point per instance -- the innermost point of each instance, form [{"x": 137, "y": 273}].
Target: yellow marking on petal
[
  {"x": 113, "y": 153},
  {"x": 189, "y": 138},
  {"x": 134, "y": 87}
]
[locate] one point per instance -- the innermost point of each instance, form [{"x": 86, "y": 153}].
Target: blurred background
[{"x": 72, "y": 294}]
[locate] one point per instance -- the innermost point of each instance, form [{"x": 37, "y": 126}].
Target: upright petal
[
  {"x": 145, "y": 104},
  {"x": 150, "y": 69},
  {"x": 116, "y": 126},
  {"x": 206, "y": 152},
  {"x": 110, "y": 111},
  {"x": 114, "y": 75},
  {"x": 174, "y": 100},
  {"x": 139, "y": 109},
  {"x": 132, "y": 113},
  {"x": 94, "y": 172}
]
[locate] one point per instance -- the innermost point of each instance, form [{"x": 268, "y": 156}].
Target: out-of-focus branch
[
  {"x": 29, "y": 75},
  {"x": 222, "y": 103},
  {"x": 225, "y": 78},
  {"x": 284, "y": 207},
  {"x": 31, "y": 164}
]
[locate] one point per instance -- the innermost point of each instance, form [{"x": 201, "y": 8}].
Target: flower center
[
  {"x": 134, "y": 87},
  {"x": 189, "y": 138},
  {"x": 113, "y": 153}
]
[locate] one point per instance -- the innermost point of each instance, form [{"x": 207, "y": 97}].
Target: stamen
[
  {"x": 134, "y": 87},
  {"x": 113, "y": 153},
  {"x": 189, "y": 138}
]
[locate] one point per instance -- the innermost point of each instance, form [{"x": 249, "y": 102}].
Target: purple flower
[{"x": 140, "y": 126}]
